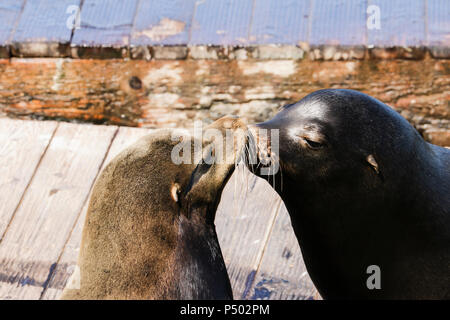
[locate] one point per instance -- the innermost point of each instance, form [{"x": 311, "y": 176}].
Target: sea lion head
[
  {"x": 149, "y": 230},
  {"x": 334, "y": 139},
  {"x": 222, "y": 145}
]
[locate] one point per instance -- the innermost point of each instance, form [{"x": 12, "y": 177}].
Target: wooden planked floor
[{"x": 47, "y": 170}]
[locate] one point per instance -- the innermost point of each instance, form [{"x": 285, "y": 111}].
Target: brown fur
[{"x": 132, "y": 243}]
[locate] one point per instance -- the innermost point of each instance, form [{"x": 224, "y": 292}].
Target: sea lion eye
[{"x": 313, "y": 144}]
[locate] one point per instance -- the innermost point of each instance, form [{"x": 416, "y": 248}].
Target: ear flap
[
  {"x": 174, "y": 191},
  {"x": 373, "y": 163}
]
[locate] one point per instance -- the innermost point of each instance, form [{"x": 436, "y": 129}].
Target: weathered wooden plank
[
  {"x": 162, "y": 22},
  {"x": 44, "y": 29},
  {"x": 68, "y": 260},
  {"x": 104, "y": 24},
  {"x": 282, "y": 273},
  {"x": 221, "y": 22},
  {"x": 438, "y": 13},
  {"x": 280, "y": 22},
  {"x": 402, "y": 23},
  {"x": 176, "y": 93},
  {"x": 338, "y": 22},
  {"x": 22, "y": 145},
  {"x": 9, "y": 14},
  {"x": 243, "y": 220},
  {"x": 40, "y": 78},
  {"x": 47, "y": 214}
]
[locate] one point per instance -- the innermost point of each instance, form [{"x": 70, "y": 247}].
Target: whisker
[{"x": 281, "y": 174}]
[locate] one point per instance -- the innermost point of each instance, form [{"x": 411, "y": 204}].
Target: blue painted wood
[
  {"x": 9, "y": 13},
  {"x": 221, "y": 22},
  {"x": 402, "y": 23},
  {"x": 280, "y": 22},
  {"x": 338, "y": 22},
  {"x": 109, "y": 23},
  {"x": 438, "y": 12},
  {"x": 163, "y": 22},
  {"x": 105, "y": 23},
  {"x": 45, "y": 21}
]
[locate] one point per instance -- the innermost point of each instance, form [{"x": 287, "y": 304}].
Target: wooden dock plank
[
  {"x": 43, "y": 29},
  {"x": 280, "y": 22},
  {"x": 402, "y": 23},
  {"x": 22, "y": 144},
  {"x": 338, "y": 22},
  {"x": 105, "y": 23},
  {"x": 282, "y": 274},
  {"x": 243, "y": 221},
  {"x": 162, "y": 22},
  {"x": 438, "y": 13},
  {"x": 230, "y": 25},
  {"x": 50, "y": 207},
  {"x": 9, "y": 14},
  {"x": 68, "y": 261}
]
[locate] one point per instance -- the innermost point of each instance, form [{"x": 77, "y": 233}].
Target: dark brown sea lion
[
  {"x": 367, "y": 196},
  {"x": 149, "y": 231}
]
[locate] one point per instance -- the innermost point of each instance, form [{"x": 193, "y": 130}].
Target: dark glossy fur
[
  {"x": 347, "y": 216},
  {"x": 139, "y": 243}
]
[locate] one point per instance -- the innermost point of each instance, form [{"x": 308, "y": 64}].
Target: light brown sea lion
[{"x": 149, "y": 231}]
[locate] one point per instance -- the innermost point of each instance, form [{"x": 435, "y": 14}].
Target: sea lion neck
[{"x": 199, "y": 253}]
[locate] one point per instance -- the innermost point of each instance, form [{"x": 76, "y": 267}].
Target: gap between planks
[
  {"x": 29, "y": 183},
  {"x": 45, "y": 218},
  {"x": 100, "y": 167},
  {"x": 263, "y": 250},
  {"x": 124, "y": 137}
]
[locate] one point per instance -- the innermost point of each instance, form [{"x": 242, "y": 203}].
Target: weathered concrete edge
[{"x": 214, "y": 52}]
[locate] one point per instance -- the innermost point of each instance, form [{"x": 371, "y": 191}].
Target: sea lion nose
[{"x": 228, "y": 123}]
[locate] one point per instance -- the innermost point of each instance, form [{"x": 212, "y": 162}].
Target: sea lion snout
[
  {"x": 150, "y": 225},
  {"x": 233, "y": 134},
  {"x": 260, "y": 153},
  {"x": 230, "y": 122}
]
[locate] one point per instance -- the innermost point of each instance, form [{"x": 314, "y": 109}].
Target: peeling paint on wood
[
  {"x": 236, "y": 29},
  {"x": 163, "y": 22},
  {"x": 163, "y": 30}
]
